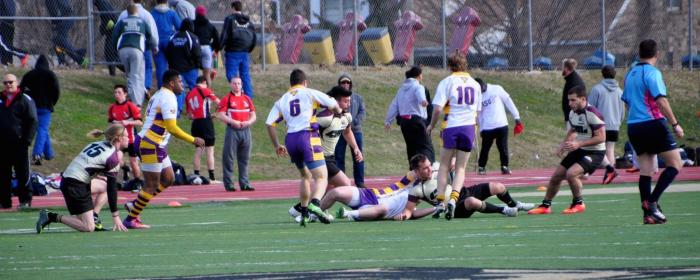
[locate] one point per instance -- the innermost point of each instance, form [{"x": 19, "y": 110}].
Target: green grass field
[{"x": 258, "y": 236}]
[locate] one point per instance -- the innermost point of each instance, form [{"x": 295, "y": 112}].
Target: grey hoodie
[
  {"x": 357, "y": 106},
  {"x": 183, "y": 8},
  {"x": 606, "y": 97}
]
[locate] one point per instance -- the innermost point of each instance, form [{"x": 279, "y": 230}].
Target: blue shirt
[
  {"x": 643, "y": 85},
  {"x": 408, "y": 101}
]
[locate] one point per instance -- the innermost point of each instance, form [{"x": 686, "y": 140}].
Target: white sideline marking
[{"x": 204, "y": 223}]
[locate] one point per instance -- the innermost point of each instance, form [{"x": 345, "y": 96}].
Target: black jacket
[
  {"x": 238, "y": 34},
  {"x": 572, "y": 80},
  {"x": 206, "y": 32},
  {"x": 41, "y": 84},
  {"x": 18, "y": 122},
  {"x": 183, "y": 51}
]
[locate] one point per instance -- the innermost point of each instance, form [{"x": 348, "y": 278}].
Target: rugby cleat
[
  {"x": 43, "y": 220},
  {"x": 652, "y": 210},
  {"x": 98, "y": 222},
  {"x": 341, "y": 213},
  {"x": 438, "y": 211},
  {"x": 540, "y": 210},
  {"x": 575, "y": 208},
  {"x": 450, "y": 213},
  {"x": 303, "y": 220},
  {"x": 524, "y": 206},
  {"x": 609, "y": 176},
  {"x": 482, "y": 171},
  {"x": 510, "y": 211},
  {"x": 322, "y": 216},
  {"x": 505, "y": 170},
  {"x": 135, "y": 224},
  {"x": 295, "y": 211}
]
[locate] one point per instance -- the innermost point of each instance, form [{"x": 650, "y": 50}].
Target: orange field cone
[
  {"x": 174, "y": 204},
  {"x": 541, "y": 188}
]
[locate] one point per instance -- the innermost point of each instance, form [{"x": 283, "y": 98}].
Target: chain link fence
[{"x": 495, "y": 34}]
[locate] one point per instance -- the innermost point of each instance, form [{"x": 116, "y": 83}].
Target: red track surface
[{"x": 282, "y": 189}]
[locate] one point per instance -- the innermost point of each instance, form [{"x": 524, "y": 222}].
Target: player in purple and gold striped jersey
[{"x": 152, "y": 141}]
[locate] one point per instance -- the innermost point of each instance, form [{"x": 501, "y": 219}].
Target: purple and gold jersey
[
  {"x": 584, "y": 123},
  {"x": 371, "y": 196},
  {"x": 96, "y": 157},
  {"x": 460, "y": 96},
  {"x": 298, "y": 107},
  {"x": 162, "y": 106}
]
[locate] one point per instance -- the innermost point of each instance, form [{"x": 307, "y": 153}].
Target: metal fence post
[
  {"x": 91, "y": 35},
  {"x": 602, "y": 31},
  {"x": 356, "y": 39},
  {"x": 262, "y": 31},
  {"x": 444, "y": 34},
  {"x": 529, "y": 34},
  {"x": 690, "y": 35}
]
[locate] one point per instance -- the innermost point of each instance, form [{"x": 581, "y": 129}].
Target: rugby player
[{"x": 129, "y": 115}]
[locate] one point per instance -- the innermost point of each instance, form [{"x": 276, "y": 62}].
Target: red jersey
[
  {"x": 237, "y": 107},
  {"x": 126, "y": 111},
  {"x": 197, "y": 102}
]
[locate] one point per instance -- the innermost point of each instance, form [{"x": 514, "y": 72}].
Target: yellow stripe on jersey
[{"x": 401, "y": 184}]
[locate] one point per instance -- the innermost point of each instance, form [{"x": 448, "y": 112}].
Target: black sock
[
  {"x": 610, "y": 168},
  {"x": 298, "y": 207},
  {"x": 211, "y": 174},
  {"x": 644, "y": 187},
  {"x": 304, "y": 211},
  {"x": 577, "y": 200},
  {"x": 316, "y": 202},
  {"x": 546, "y": 203},
  {"x": 196, "y": 172},
  {"x": 665, "y": 180},
  {"x": 53, "y": 217},
  {"x": 490, "y": 208},
  {"x": 505, "y": 197}
]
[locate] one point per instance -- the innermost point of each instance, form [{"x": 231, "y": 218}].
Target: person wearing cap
[
  {"x": 208, "y": 40},
  {"x": 409, "y": 105},
  {"x": 358, "y": 113}
]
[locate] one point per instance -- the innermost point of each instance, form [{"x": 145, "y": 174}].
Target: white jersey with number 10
[{"x": 460, "y": 96}]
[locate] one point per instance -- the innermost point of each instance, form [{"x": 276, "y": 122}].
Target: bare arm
[
  {"x": 251, "y": 120},
  {"x": 420, "y": 213},
  {"x": 665, "y": 108},
  {"x": 279, "y": 149},
  {"x": 437, "y": 110},
  {"x": 350, "y": 138}
]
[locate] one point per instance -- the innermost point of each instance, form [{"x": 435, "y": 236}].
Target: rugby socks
[
  {"x": 610, "y": 168},
  {"x": 211, "y": 174},
  {"x": 577, "y": 200},
  {"x": 454, "y": 195},
  {"x": 645, "y": 187},
  {"x": 140, "y": 203},
  {"x": 546, "y": 203},
  {"x": 505, "y": 197},
  {"x": 353, "y": 215},
  {"x": 53, "y": 217},
  {"x": 316, "y": 202},
  {"x": 196, "y": 172},
  {"x": 487, "y": 207},
  {"x": 665, "y": 180},
  {"x": 160, "y": 189}
]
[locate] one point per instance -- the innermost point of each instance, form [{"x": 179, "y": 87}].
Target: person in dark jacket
[
  {"x": 7, "y": 34},
  {"x": 358, "y": 113},
  {"x": 238, "y": 39},
  {"x": 41, "y": 84},
  {"x": 568, "y": 70},
  {"x": 184, "y": 55},
  {"x": 168, "y": 23},
  {"x": 60, "y": 30},
  {"x": 18, "y": 122},
  {"x": 209, "y": 40},
  {"x": 108, "y": 18}
]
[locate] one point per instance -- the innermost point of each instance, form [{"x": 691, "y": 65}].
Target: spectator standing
[
  {"x": 108, "y": 18},
  {"x": 358, "y": 113},
  {"x": 184, "y": 55},
  {"x": 131, "y": 35},
  {"x": 208, "y": 39},
  {"x": 18, "y": 122},
  {"x": 168, "y": 23},
  {"x": 127, "y": 114},
  {"x": 238, "y": 39},
  {"x": 493, "y": 124},
  {"x": 237, "y": 111},
  {"x": 606, "y": 97},
  {"x": 148, "y": 53},
  {"x": 409, "y": 105},
  {"x": 7, "y": 28},
  {"x": 198, "y": 108},
  {"x": 60, "y": 30},
  {"x": 41, "y": 84},
  {"x": 183, "y": 8},
  {"x": 572, "y": 79}
]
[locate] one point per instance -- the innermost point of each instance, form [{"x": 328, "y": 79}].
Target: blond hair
[
  {"x": 457, "y": 62},
  {"x": 111, "y": 134}
]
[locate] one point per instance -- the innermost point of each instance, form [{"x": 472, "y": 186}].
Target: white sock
[{"x": 353, "y": 215}]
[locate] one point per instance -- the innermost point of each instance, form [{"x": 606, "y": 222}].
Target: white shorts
[
  {"x": 206, "y": 57},
  {"x": 395, "y": 204},
  {"x": 156, "y": 167}
]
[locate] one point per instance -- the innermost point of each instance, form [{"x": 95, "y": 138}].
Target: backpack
[
  {"x": 242, "y": 32},
  {"x": 692, "y": 154},
  {"x": 180, "y": 174}
]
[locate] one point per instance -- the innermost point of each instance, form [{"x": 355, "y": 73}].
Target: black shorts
[
  {"x": 130, "y": 150},
  {"x": 612, "y": 135},
  {"x": 479, "y": 191},
  {"x": 78, "y": 196},
  {"x": 651, "y": 137},
  {"x": 588, "y": 160},
  {"x": 332, "y": 166},
  {"x": 204, "y": 128}
]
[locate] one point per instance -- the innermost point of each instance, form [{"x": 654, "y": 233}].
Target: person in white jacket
[{"x": 493, "y": 124}]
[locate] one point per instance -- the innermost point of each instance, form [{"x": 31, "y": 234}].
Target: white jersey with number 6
[
  {"x": 460, "y": 96},
  {"x": 297, "y": 107}
]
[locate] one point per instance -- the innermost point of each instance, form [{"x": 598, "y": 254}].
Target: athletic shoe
[
  {"x": 540, "y": 210},
  {"x": 524, "y": 206},
  {"x": 482, "y": 171},
  {"x": 575, "y": 208},
  {"x": 450, "y": 213},
  {"x": 23, "y": 60},
  {"x": 135, "y": 224},
  {"x": 440, "y": 209},
  {"x": 312, "y": 219},
  {"x": 341, "y": 213},
  {"x": 303, "y": 220},
  {"x": 651, "y": 209},
  {"x": 36, "y": 160},
  {"x": 322, "y": 216},
  {"x": 230, "y": 188},
  {"x": 510, "y": 211},
  {"x": 505, "y": 170},
  {"x": 295, "y": 211},
  {"x": 98, "y": 222},
  {"x": 43, "y": 220},
  {"x": 609, "y": 176},
  {"x": 24, "y": 206},
  {"x": 632, "y": 170},
  {"x": 247, "y": 188}
]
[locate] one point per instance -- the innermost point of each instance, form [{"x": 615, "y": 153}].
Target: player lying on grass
[
  {"x": 97, "y": 158},
  {"x": 379, "y": 204}
]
